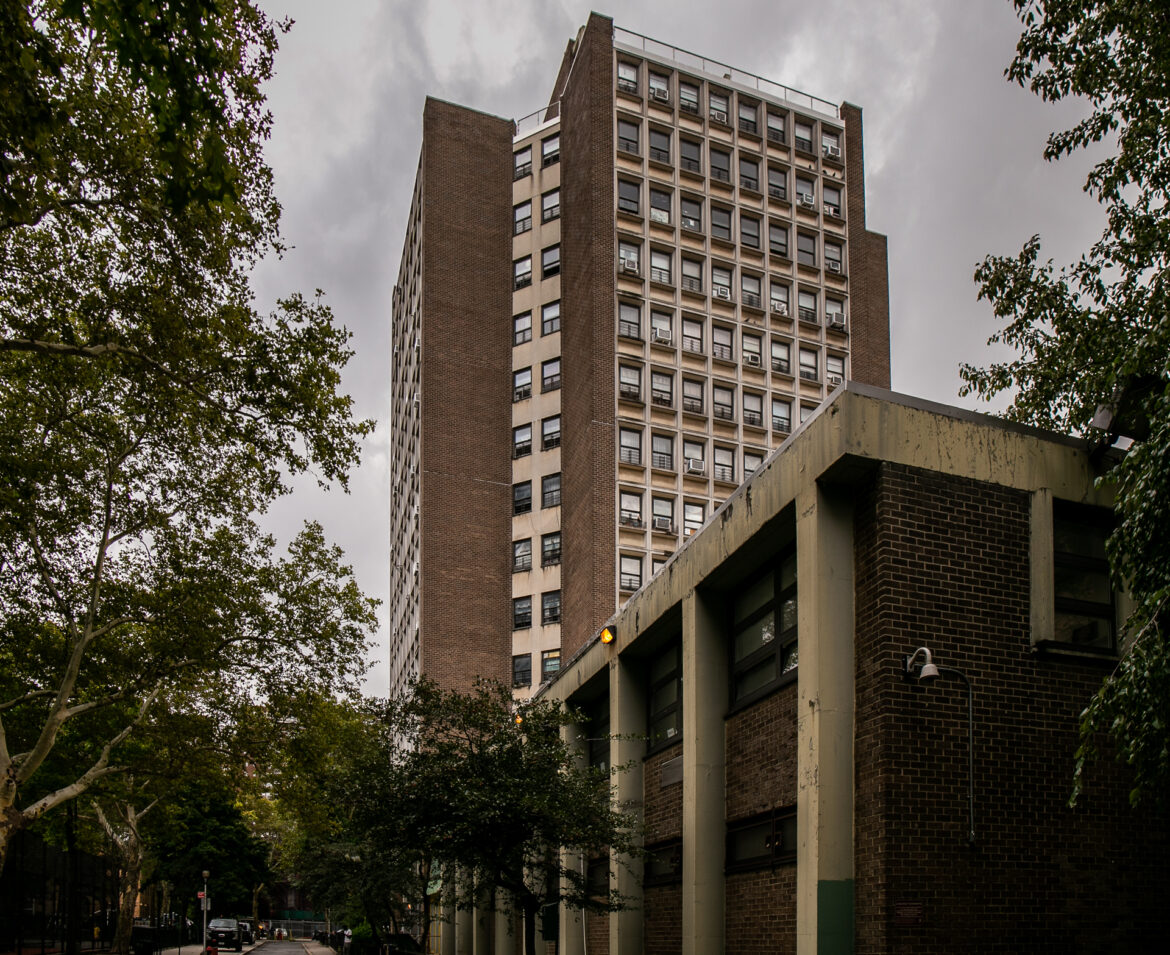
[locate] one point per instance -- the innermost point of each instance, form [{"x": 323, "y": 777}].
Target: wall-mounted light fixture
[{"x": 928, "y": 671}]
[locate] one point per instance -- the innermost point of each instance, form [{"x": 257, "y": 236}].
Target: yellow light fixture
[{"x": 608, "y": 634}]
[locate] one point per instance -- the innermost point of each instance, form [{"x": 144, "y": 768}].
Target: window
[
  {"x": 630, "y": 572},
  {"x": 748, "y": 117},
  {"x": 660, "y": 323},
  {"x": 834, "y": 256},
  {"x": 834, "y": 369},
  {"x": 522, "y": 273},
  {"x": 722, "y": 342},
  {"x": 753, "y": 409},
  {"x": 521, "y": 440},
  {"x": 550, "y": 375},
  {"x": 749, "y": 174},
  {"x": 777, "y": 182},
  {"x": 550, "y": 611},
  {"x": 662, "y": 514},
  {"x": 664, "y": 696},
  {"x": 690, "y": 155},
  {"x": 522, "y": 497},
  {"x": 720, "y": 165},
  {"x": 550, "y": 150},
  {"x": 660, "y": 87},
  {"x": 662, "y": 451},
  {"x": 692, "y": 275},
  {"x": 806, "y": 412},
  {"x": 831, "y": 144},
  {"x": 781, "y": 355},
  {"x": 781, "y": 415},
  {"x": 749, "y": 231},
  {"x": 779, "y": 298},
  {"x": 718, "y": 106},
  {"x": 550, "y": 261},
  {"x": 1083, "y": 603},
  {"x": 692, "y": 335},
  {"x": 630, "y": 382},
  {"x": 660, "y": 206},
  {"x": 629, "y": 197},
  {"x": 835, "y": 313},
  {"x": 763, "y": 644},
  {"x": 807, "y": 306},
  {"x": 806, "y": 192},
  {"x": 659, "y": 146},
  {"x": 550, "y": 433},
  {"x": 550, "y": 490},
  {"x": 804, "y": 136},
  {"x": 521, "y": 218},
  {"x": 806, "y": 249},
  {"x": 694, "y": 456},
  {"x": 662, "y": 864},
  {"x": 629, "y": 446},
  {"x": 550, "y": 549},
  {"x": 630, "y": 320},
  {"x": 693, "y": 517},
  {"x": 660, "y": 266},
  {"x": 750, "y": 286},
  {"x": 776, "y": 127},
  {"x": 721, "y": 223},
  {"x": 627, "y": 77},
  {"x": 724, "y": 469},
  {"x": 691, "y": 212},
  {"x": 550, "y": 664},
  {"x": 522, "y": 670},
  {"x": 688, "y": 97},
  {"x": 522, "y": 162},
  {"x": 522, "y": 328},
  {"x": 521, "y": 613},
  {"x": 761, "y": 842},
  {"x": 752, "y": 460},
  {"x": 831, "y": 196},
  {"x": 550, "y": 206},
  {"x": 629, "y": 257},
  {"x": 550, "y": 318},
  {"x": 692, "y": 395},
  {"x": 809, "y": 364},
  {"x": 521, "y": 384},
  {"x": 630, "y": 508},
  {"x": 721, "y": 282},
  {"x": 662, "y": 388},
  {"x": 751, "y": 346},
  {"x": 723, "y": 402},
  {"x": 522, "y": 555},
  {"x": 628, "y": 137},
  {"x": 778, "y": 239}
]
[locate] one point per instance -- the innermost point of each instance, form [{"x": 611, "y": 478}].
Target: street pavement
[{"x": 270, "y": 946}]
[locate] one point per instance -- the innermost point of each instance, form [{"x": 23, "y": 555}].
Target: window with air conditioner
[
  {"x": 629, "y": 572},
  {"x": 522, "y": 555},
  {"x": 750, "y": 345},
  {"x": 629, "y": 197},
  {"x": 550, "y": 318},
  {"x": 831, "y": 197},
  {"x": 550, "y": 433},
  {"x": 662, "y": 451},
  {"x": 521, "y": 218},
  {"x": 550, "y": 205},
  {"x": 749, "y": 174},
  {"x": 630, "y": 508},
  {"x": 521, "y": 384},
  {"x": 806, "y": 191},
  {"x": 660, "y": 325},
  {"x": 779, "y": 295},
  {"x": 662, "y": 517},
  {"x": 721, "y": 278},
  {"x": 630, "y": 446},
  {"x": 629, "y": 137},
  {"x": 694, "y": 457},
  {"x": 835, "y": 313},
  {"x": 550, "y": 375},
  {"x": 660, "y": 203},
  {"x": 717, "y": 105},
  {"x": 550, "y": 490},
  {"x": 522, "y": 328},
  {"x": 693, "y": 517},
  {"x": 629, "y": 258},
  {"x": 691, "y": 214},
  {"x": 834, "y": 256},
  {"x": 659, "y": 87},
  {"x": 830, "y": 144}
]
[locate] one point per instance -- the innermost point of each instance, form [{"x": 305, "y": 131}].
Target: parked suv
[{"x": 225, "y": 933}]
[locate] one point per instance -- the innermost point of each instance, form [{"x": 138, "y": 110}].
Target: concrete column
[
  {"x": 704, "y": 702},
  {"x": 627, "y": 718},
  {"x": 447, "y": 937},
  {"x": 483, "y": 924},
  {"x": 504, "y": 938},
  {"x": 571, "y": 928},
  {"x": 824, "y": 805},
  {"x": 464, "y": 925}
]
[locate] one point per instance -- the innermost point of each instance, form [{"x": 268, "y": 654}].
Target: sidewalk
[{"x": 194, "y": 948}]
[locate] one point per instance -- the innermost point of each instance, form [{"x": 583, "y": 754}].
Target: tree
[
  {"x": 148, "y": 411},
  {"x": 1096, "y": 334}
]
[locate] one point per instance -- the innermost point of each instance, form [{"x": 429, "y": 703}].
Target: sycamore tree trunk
[{"x": 132, "y": 856}]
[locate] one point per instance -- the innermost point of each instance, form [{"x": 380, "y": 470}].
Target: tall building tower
[{"x": 607, "y": 314}]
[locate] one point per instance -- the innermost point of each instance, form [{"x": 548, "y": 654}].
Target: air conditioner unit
[
  {"x": 721, "y": 291},
  {"x": 834, "y": 380},
  {"x": 751, "y": 358},
  {"x": 660, "y": 215},
  {"x": 833, "y": 266},
  {"x": 836, "y": 320},
  {"x": 660, "y": 94},
  {"x": 808, "y": 201},
  {"x": 688, "y": 531},
  {"x": 834, "y": 211},
  {"x": 663, "y": 524},
  {"x": 780, "y": 308},
  {"x": 662, "y": 336},
  {"x": 719, "y": 116},
  {"x": 630, "y": 268},
  {"x": 834, "y": 152},
  {"x": 695, "y": 466}
]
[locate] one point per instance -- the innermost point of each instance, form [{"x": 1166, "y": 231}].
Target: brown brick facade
[
  {"x": 465, "y": 614},
  {"x": 943, "y": 561},
  {"x": 761, "y": 912},
  {"x": 588, "y": 447}
]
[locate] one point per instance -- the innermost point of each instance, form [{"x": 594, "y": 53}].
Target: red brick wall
[
  {"x": 661, "y": 808},
  {"x": 869, "y": 285},
  {"x": 761, "y": 912},
  {"x": 597, "y": 934},
  {"x": 588, "y": 456},
  {"x": 465, "y": 395},
  {"x": 662, "y": 914},
  {"x": 943, "y": 562}
]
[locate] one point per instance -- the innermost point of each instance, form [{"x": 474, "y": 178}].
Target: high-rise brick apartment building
[{"x": 607, "y": 314}]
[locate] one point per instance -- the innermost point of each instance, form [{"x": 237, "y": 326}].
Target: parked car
[
  {"x": 225, "y": 933},
  {"x": 405, "y": 944},
  {"x": 246, "y": 933}
]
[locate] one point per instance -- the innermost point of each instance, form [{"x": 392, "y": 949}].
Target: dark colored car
[
  {"x": 225, "y": 933},
  {"x": 402, "y": 944}
]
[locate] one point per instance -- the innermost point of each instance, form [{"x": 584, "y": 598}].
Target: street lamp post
[{"x": 206, "y": 900}]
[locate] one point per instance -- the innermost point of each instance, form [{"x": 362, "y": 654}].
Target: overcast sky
[{"x": 954, "y": 166}]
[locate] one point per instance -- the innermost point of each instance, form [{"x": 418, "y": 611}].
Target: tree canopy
[{"x": 1092, "y": 338}]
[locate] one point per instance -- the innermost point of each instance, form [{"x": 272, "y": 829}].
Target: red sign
[{"x": 199, "y": 895}]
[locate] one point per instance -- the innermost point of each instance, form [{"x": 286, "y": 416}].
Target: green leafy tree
[
  {"x": 148, "y": 411},
  {"x": 1095, "y": 334}
]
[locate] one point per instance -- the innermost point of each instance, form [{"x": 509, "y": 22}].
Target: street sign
[{"x": 200, "y": 894}]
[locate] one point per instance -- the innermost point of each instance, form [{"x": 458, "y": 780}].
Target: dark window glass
[
  {"x": 762, "y": 842},
  {"x": 763, "y": 641},
  {"x": 1084, "y": 593},
  {"x": 664, "y": 696},
  {"x": 522, "y": 670}
]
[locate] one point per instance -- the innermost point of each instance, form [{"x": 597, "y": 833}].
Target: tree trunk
[
  {"x": 131, "y": 882},
  {"x": 531, "y": 910},
  {"x": 425, "y": 940}
]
